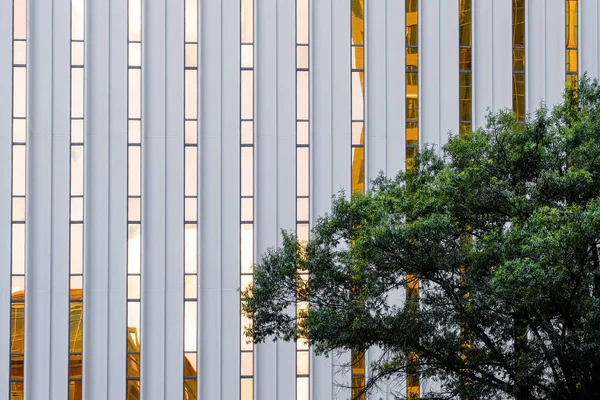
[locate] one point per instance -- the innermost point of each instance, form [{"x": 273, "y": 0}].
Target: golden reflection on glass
[
  {"x": 571, "y": 43},
  {"x": 518, "y": 58},
  {"x": 358, "y": 170},
  {"x": 465, "y": 73},
  {"x": 18, "y": 249},
  {"x": 17, "y": 284},
  {"x": 465, "y": 97},
  {"x": 519, "y": 95}
]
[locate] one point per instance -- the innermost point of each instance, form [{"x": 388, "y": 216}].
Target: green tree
[{"x": 501, "y": 228}]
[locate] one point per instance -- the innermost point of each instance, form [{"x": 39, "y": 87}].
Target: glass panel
[
  {"x": 412, "y": 58},
  {"x": 358, "y": 133},
  {"x": 18, "y": 209},
  {"x": 191, "y": 248},
  {"x": 571, "y": 24},
  {"x": 134, "y": 288},
  {"x": 76, "y": 248},
  {"x": 465, "y": 23},
  {"x": 465, "y": 97},
  {"x": 302, "y": 209},
  {"x": 302, "y": 170},
  {"x": 518, "y": 59},
  {"x": 20, "y": 19},
  {"x": 192, "y": 358},
  {"x": 191, "y": 55},
  {"x": 191, "y": 132},
  {"x": 135, "y": 132},
  {"x": 302, "y": 344},
  {"x": 77, "y": 283},
  {"x": 302, "y": 87},
  {"x": 302, "y": 22},
  {"x": 357, "y": 22},
  {"x": 247, "y": 15},
  {"x": 245, "y": 282},
  {"x": 465, "y": 59},
  {"x": 303, "y": 132},
  {"x": 412, "y": 133},
  {"x": 18, "y": 249},
  {"x": 247, "y": 213},
  {"x": 519, "y": 95},
  {"x": 571, "y": 60},
  {"x": 357, "y": 97},
  {"x": 247, "y": 362},
  {"x": 76, "y": 170},
  {"x": 134, "y": 209},
  {"x": 303, "y": 232},
  {"x": 302, "y": 362},
  {"x": 19, "y": 130},
  {"x": 358, "y": 170},
  {"x": 191, "y": 287},
  {"x": 17, "y": 284},
  {"x": 77, "y": 19},
  {"x": 191, "y": 20},
  {"x": 133, "y": 249},
  {"x": 246, "y": 344},
  {"x": 18, "y": 181},
  {"x": 191, "y": 94},
  {"x": 77, "y": 92},
  {"x": 519, "y": 23},
  {"x": 246, "y": 389},
  {"x": 247, "y": 248},
  {"x": 77, "y": 209},
  {"x": 134, "y": 167},
  {"x": 190, "y": 389},
  {"x": 303, "y": 388},
  {"x": 247, "y": 94},
  {"x": 190, "y": 328},
  {"x": 133, "y": 321},
  {"x": 247, "y": 171},
  {"x": 135, "y": 54},
  {"x": 247, "y": 132},
  {"x": 191, "y": 210},
  {"x": 302, "y": 56},
  {"x": 135, "y": 93},
  {"x": 19, "y": 91},
  {"x": 20, "y": 53},
  {"x": 247, "y": 56},
  {"x": 191, "y": 171},
  {"x": 135, "y": 20},
  {"x": 77, "y": 53}
]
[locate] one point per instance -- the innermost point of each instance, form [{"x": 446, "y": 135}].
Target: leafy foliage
[{"x": 502, "y": 230}]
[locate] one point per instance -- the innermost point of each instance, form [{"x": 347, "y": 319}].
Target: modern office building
[{"x": 150, "y": 150}]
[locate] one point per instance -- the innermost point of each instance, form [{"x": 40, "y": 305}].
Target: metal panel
[{"x": 589, "y": 37}]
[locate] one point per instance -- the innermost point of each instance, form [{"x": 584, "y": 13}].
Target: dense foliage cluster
[{"x": 501, "y": 228}]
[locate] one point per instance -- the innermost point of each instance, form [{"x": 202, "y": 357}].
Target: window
[
  {"x": 572, "y": 42},
  {"x": 518, "y": 58},
  {"x": 465, "y": 71}
]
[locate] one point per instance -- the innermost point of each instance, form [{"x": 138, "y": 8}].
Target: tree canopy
[{"x": 501, "y": 227}]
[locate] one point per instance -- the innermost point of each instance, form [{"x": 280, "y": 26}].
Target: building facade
[{"x": 151, "y": 150}]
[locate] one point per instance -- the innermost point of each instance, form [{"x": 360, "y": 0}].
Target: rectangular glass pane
[
  {"x": 302, "y": 23},
  {"x": 358, "y": 133},
  {"x": 134, "y": 208},
  {"x": 77, "y": 19},
  {"x": 302, "y": 170},
  {"x": 302, "y": 57},
  {"x": 135, "y": 20},
  {"x": 77, "y": 209},
  {"x": 412, "y": 58},
  {"x": 303, "y": 232},
  {"x": 247, "y": 16},
  {"x": 245, "y": 281},
  {"x": 247, "y": 364},
  {"x": 358, "y": 57},
  {"x": 246, "y": 343},
  {"x": 412, "y": 133},
  {"x": 519, "y": 95},
  {"x": 190, "y": 326},
  {"x": 135, "y": 173},
  {"x": 19, "y": 130},
  {"x": 18, "y": 172},
  {"x": 134, "y": 287},
  {"x": 247, "y": 248},
  {"x": 246, "y": 389},
  {"x": 135, "y": 54},
  {"x": 76, "y": 170},
  {"x": 191, "y": 132},
  {"x": 133, "y": 248},
  {"x": 20, "y": 19},
  {"x": 302, "y": 93},
  {"x": 191, "y": 55},
  {"x": 247, "y": 94},
  {"x": 302, "y": 362},
  {"x": 191, "y": 94},
  {"x": 302, "y": 132},
  {"x": 18, "y": 209},
  {"x": 133, "y": 325},
  {"x": 191, "y": 210},
  {"x": 358, "y": 170},
  {"x": 302, "y": 209},
  {"x": 191, "y": 20},
  {"x": 76, "y": 248},
  {"x": 191, "y": 171},
  {"x": 76, "y": 283},
  {"x": 19, "y": 91},
  {"x": 303, "y": 389},
  {"x": 135, "y": 93},
  {"x": 247, "y": 171},
  {"x": 18, "y": 249},
  {"x": 571, "y": 60},
  {"x": 247, "y": 213},
  {"x": 77, "y": 92},
  {"x": 191, "y": 248},
  {"x": 518, "y": 59},
  {"x": 135, "y": 132},
  {"x": 77, "y": 53},
  {"x": 247, "y": 56},
  {"x": 17, "y": 284},
  {"x": 357, "y": 97},
  {"x": 191, "y": 287},
  {"x": 20, "y": 53},
  {"x": 247, "y": 134},
  {"x": 465, "y": 97}
]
